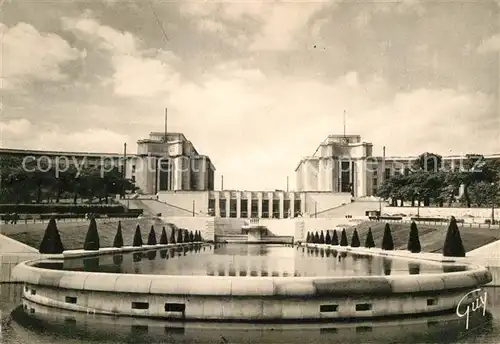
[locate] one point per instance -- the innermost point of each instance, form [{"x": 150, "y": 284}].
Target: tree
[
  {"x": 163, "y": 237},
  {"x": 328, "y": 239},
  {"x": 355, "y": 239},
  {"x": 191, "y": 236},
  {"x": 137, "y": 237},
  {"x": 179, "y": 236},
  {"x": 322, "y": 237},
  {"x": 413, "y": 239},
  {"x": 343, "y": 238},
  {"x": 92, "y": 238},
  {"x": 308, "y": 238},
  {"x": 316, "y": 238},
  {"x": 369, "y": 242},
  {"x": 453, "y": 245},
  {"x": 152, "y": 237},
  {"x": 51, "y": 242},
  {"x": 172, "y": 236},
  {"x": 387, "y": 242},
  {"x": 118, "y": 241},
  {"x": 484, "y": 193},
  {"x": 335, "y": 239}
]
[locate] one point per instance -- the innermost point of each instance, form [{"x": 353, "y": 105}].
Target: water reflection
[
  {"x": 244, "y": 260},
  {"x": 36, "y": 323}
]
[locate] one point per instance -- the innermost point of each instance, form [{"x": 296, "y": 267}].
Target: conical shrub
[
  {"x": 343, "y": 238},
  {"x": 51, "y": 242},
  {"x": 152, "y": 236},
  {"x": 92, "y": 237},
  {"x": 179, "y": 236},
  {"x": 172, "y": 236},
  {"x": 191, "y": 236},
  {"x": 369, "y": 242},
  {"x": 413, "y": 239},
  {"x": 163, "y": 237},
  {"x": 308, "y": 238},
  {"x": 137, "y": 237},
  {"x": 328, "y": 239},
  {"x": 322, "y": 237},
  {"x": 387, "y": 242},
  {"x": 355, "y": 239},
  {"x": 118, "y": 241},
  {"x": 316, "y": 238},
  {"x": 453, "y": 245},
  {"x": 335, "y": 238}
]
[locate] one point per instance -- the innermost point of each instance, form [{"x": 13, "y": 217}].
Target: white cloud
[
  {"x": 27, "y": 55},
  {"x": 137, "y": 72},
  {"x": 281, "y": 22},
  {"x": 490, "y": 45},
  {"x": 15, "y": 127}
]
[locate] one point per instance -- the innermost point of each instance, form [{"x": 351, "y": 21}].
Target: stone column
[
  {"x": 238, "y": 204},
  {"x": 217, "y": 203},
  {"x": 282, "y": 204},
  {"x": 291, "y": 196},
  {"x": 227, "y": 194},
  {"x": 249, "y": 204},
  {"x": 259, "y": 204}
]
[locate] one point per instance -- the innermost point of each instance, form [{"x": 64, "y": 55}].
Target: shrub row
[
  {"x": 61, "y": 208},
  {"x": 385, "y": 217},
  {"x": 22, "y": 217}
]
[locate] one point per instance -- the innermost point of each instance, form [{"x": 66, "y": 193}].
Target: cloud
[
  {"x": 15, "y": 127},
  {"x": 490, "y": 45},
  {"x": 28, "y": 55},
  {"x": 280, "y": 22},
  {"x": 137, "y": 72}
]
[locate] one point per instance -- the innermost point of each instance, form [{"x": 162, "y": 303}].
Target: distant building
[
  {"x": 345, "y": 164},
  {"x": 161, "y": 164}
]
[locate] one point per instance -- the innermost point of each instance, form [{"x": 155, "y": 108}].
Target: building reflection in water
[
  {"x": 387, "y": 264},
  {"x": 413, "y": 268}
]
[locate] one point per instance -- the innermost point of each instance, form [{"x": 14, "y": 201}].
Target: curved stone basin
[{"x": 261, "y": 298}]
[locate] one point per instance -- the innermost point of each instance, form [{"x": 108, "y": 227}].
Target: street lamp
[
  {"x": 493, "y": 202},
  {"x": 418, "y": 203}
]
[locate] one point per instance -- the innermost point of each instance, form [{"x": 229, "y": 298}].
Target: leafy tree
[
  {"x": 137, "y": 237},
  {"x": 484, "y": 193},
  {"x": 163, "y": 237},
  {"x": 118, "y": 241},
  {"x": 51, "y": 242},
  {"x": 335, "y": 239},
  {"x": 92, "y": 238},
  {"x": 413, "y": 239},
  {"x": 369, "y": 242},
  {"x": 387, "y": 242},
  {"x": 328, "y": 239},
  {"x": 355, "y": 239},
  {"x": 453, "y": 245},
  {"x": 343, "y": 238},
  {"x": 322, "y": 237},
  {"x": 152, "y": 236}
]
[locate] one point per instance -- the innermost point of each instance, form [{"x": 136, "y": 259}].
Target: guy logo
[{"x": 479, "y": 302}]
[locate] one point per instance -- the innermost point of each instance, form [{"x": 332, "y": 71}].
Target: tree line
[
  {"x": 430, "y": 181},
  {"x": 29, "y": 181}
]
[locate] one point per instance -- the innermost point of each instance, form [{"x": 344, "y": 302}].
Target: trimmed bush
[
  {"x": 335, "y": 238},
  {"x": 152, "y": 236},
  {"x": 118, "y": 241},
  {"x": 355, "y": 239},
  {"x": 387, "y": 243},
  {"x": 163, "y": 237},
  {"x": 328, "y": 239},
  {"x": 137, "y": 237},
  {"x": 172, "y": 236},
  {"x": 92, "y": 238},
  {"x": 369, "y": 242},
  {"x": 322, "y": 237},
  {"x": 179, "y": 236},
  {"x": 51, "y": 242},
  {"x": 316, "y": 238},
  {"x": 453, "y": 245},
  {"x": 343, "y": 238},
  {"x": 191, "y": 236},
  {"x": 308, "y": 238},
  {"x": 413, "y": 239}
]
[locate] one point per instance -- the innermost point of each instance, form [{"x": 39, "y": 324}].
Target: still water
[
  {"x": 26, "y": 323},
  {"x": 249, "y": 261}
]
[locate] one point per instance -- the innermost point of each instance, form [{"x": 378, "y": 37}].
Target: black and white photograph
[{"x": 250, "y": 171}]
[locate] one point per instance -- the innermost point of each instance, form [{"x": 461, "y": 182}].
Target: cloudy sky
[{"x": 256, "y": 85}]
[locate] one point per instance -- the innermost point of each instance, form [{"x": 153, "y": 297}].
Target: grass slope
[
  {"x": 73, "y": 234},
  {"x": 431, "y": 236}
]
